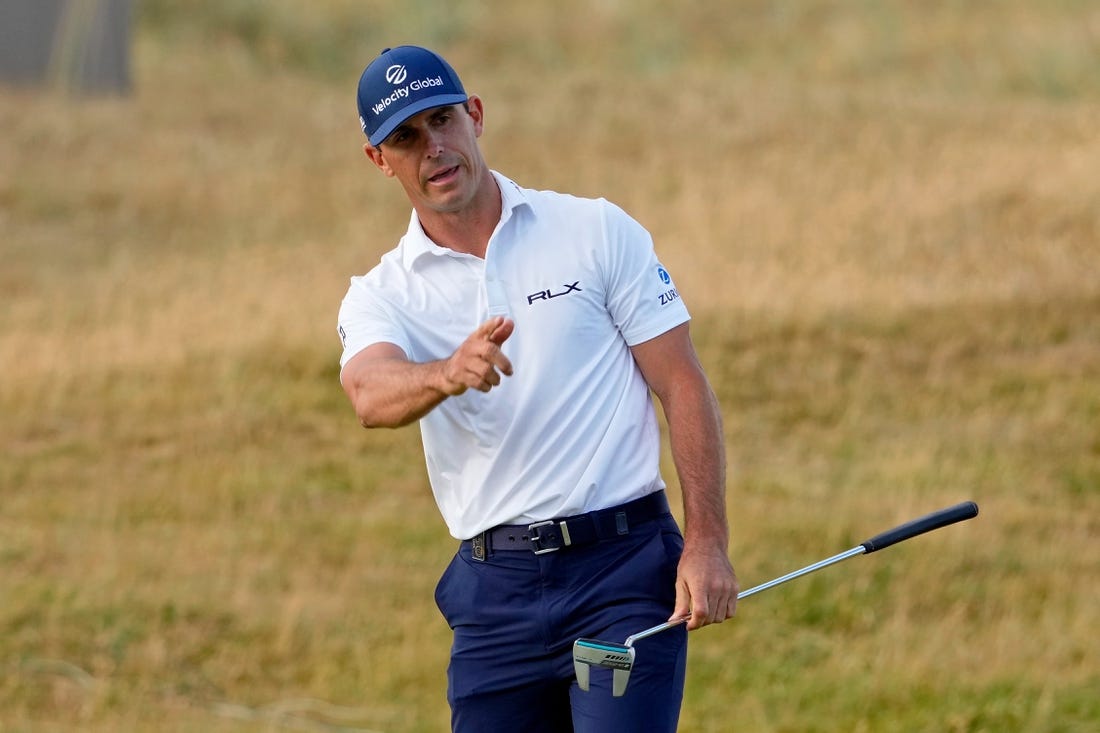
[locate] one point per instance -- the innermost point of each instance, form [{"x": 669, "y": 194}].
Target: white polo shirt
[{"x": 574, "y": 429}]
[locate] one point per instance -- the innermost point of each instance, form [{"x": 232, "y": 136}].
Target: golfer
[{"x": 525, "y": 330}]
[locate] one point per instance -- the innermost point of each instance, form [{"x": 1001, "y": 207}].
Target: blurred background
[
  {"x": 884, "y": 217},
  {"x": 79, "y": 45}
]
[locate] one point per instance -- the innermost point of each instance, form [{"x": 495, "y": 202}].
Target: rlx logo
[{"x": 547, "y": 294}]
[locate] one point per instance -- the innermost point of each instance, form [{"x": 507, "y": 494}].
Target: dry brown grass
[{"x": 885, "y": 217}]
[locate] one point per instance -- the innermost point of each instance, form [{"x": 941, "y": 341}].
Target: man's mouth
[{"x": 444, "y": 175}]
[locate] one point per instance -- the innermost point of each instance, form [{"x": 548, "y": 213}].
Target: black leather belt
[{"x": 556, "y": 534}]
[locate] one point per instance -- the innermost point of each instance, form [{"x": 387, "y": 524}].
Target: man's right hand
[{"x": 479, "y": 362}]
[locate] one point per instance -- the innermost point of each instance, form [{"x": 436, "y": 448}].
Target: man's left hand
[{"x": 706, "y": 588}]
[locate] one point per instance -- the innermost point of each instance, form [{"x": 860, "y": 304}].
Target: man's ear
[
  {"x": 376, "y": 157},
  {"x": 477, "y": 112}
]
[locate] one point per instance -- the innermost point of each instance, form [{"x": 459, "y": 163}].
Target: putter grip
[{"x": 935, "y": 520}]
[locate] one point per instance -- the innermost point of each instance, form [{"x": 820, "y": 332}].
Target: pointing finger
[
  {"x": 486, "y": 329},
  {"x": 501, "y": 333}
]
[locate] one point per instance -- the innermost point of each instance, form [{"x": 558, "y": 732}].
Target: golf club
[{"x": 619, "y": 658}]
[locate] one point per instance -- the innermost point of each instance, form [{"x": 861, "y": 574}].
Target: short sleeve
[
  {"x": 364, "y": 319},
  {"x": 641, "y": 295}
]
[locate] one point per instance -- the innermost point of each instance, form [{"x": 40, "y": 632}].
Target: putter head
[{"x": 619, "y": 658}]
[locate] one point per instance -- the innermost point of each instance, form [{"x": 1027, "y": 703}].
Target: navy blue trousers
[{"x": 516, "y": 615}]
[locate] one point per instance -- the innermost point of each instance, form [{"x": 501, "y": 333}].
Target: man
[{"x": 524, "y": 330}]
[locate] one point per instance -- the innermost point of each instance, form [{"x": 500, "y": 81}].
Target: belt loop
[{"x": 621, "y": 525}]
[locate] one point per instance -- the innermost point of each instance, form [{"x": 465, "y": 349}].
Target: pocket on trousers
[
  {"x": 673, "y": 541},
  {"x": 444, "y": 595}
]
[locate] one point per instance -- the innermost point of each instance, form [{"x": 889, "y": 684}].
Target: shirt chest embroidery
[{"x": 548, "y": 294}]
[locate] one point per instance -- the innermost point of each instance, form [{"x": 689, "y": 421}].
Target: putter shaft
[
  {"x": 620, "y": 657},
  {"x": 858, "y": 550},
  {"x": 655, "y": 630}
]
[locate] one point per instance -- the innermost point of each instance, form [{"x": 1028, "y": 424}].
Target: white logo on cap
[
  {"x": 396, "y": 74},
  {"x": 399, "y": 93}
]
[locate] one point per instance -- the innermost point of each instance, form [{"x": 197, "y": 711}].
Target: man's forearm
[
  {"x": 698, "y": 451},
  {"x": 391, "y": 393},
  {"x": 706, "y": 585}
]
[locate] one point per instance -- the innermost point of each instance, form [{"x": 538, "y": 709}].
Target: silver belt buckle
[{"x": 537, "y": 539}]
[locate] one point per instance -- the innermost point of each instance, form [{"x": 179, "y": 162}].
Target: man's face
[{"x": 435, "y": 156}]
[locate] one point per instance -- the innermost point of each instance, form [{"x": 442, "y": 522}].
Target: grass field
[{"x": 884, "y": 216}]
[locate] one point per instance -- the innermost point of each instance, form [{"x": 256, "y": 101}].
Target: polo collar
[{"x": 417, "y": 243}]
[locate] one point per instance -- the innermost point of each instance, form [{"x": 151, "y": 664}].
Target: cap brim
[{"x": 387, "y": 127}]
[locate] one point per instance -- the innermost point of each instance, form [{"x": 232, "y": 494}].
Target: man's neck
[{"x": 468, "y": 230}]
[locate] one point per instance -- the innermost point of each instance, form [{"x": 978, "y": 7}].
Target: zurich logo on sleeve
[{"x": 669, "y": 295}]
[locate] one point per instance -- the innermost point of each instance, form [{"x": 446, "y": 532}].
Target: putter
[{"x": 619, "y": 658}]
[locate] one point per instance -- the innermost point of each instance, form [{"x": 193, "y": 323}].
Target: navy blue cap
[{"x": 400, "y": 83}]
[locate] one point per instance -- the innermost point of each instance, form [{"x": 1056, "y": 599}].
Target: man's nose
[{"x": 433, "y": 143}]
